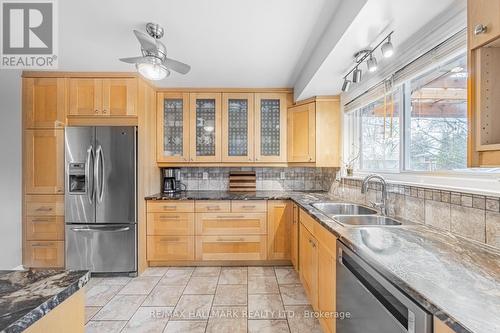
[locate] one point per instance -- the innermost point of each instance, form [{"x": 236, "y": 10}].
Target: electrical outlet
[
  {"x": 205, "y": 176},
  {"x": 282, "y": 175}
]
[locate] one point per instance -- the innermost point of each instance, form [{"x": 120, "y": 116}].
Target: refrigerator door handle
[
  {"x": 99, "y": 173},
  {"x": 90, "y": 157},
  {"x": 101, "y": 229}
]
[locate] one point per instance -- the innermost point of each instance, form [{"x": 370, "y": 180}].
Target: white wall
[{"x": 10, "y": 169}]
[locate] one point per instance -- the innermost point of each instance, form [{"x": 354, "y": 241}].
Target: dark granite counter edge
[
  {"x": 330, "y": 225},
  {"x": 43, "y": 309}
]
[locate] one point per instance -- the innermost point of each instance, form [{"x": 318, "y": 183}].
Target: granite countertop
[
  {"x": 456, "y": 280},
  {"x": 27, "y": 296}
]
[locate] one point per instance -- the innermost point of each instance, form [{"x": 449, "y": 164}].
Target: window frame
[{"x": 404, "y": 127}]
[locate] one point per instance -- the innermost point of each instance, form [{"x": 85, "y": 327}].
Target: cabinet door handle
[
  {"x": 96, "y": 111},
  {"x": 169, "y": 218},
  {"x": 169, "y": 239},
  {"x": 480, "y": 29},
  {"x": 230, "y": 217},
  {"x": 44, "y": 209},
  {"x": 104, "y": 111},
  {"x": 230, "y": 240}
]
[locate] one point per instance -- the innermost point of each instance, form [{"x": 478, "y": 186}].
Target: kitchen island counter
[{"x": 26, "y": 297}]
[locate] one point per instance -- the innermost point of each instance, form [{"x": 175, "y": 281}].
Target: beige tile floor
[{"x": 200, "y": 299}]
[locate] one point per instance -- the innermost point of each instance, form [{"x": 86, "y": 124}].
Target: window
[
  {"x": 438, "y": 118},
  {"x": 421, "y": 126}
]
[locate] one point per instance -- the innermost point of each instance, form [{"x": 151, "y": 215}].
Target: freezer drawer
[{"x": 109, "y": 248}]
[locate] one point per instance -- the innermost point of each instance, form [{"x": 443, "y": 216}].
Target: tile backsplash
[
  {"x": 297, "y": 179},
  {"x": 468, "y": 215}
]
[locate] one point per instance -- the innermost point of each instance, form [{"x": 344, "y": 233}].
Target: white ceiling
[
  {"x": 235, "y": 43},
  {"x": 228, "y": 43},
  {"x": 373, "y": 22}
]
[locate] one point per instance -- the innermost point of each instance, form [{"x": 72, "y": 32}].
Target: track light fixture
[
  {"x": 356, "y": 75},
  {"x": 387, "y": 50}
]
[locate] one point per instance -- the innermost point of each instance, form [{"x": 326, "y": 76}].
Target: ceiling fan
[{"x": 154, "y": 64}]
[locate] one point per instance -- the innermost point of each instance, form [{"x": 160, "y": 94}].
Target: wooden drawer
[
  {"x": 213, "y": 206},
  {"x": 171, "y": 206},
  {"x": 231, "y": 224},
  {"x": 164, "y": 248},
  {"x": 44, "y": 254},
  {"x": 45, "y": 205},
  {"x": 249, "y": 206},
  {"x": 45, "y": 228},
  {"x": 307, "y": 221},
  {"x": 232, "y": 247},
  {"x": 180, "y": 224}
]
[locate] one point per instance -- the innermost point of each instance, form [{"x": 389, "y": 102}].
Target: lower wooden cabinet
[
  {"x": 308, "y": 259},
  {"x": 169, "y": 248},
  {"x": 231, "y": 224},
  {"x": 44, "y": 228},
  {"x": 294, "y": 237},
  {"x": 178, "y": 224},
  {"x": 326, "y": 286},
  {"x": 44, "y": 254},
  {"x": 279, "y": 215},
  {"x": 231, "y": 247}
]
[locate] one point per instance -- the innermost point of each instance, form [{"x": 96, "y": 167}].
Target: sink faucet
[{"x": 381, "y": 205}]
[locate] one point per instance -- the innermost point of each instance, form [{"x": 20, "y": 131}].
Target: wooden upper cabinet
[
  {"x": 44, "y": 102},
  {"x": 205, "y": 132},
  {"x": 103, "y": 97},
  {"x": 302, "y": 133},
  {"x": 237, "y": 127},
  {"x": 85, "y": 97},
  {"x": 119, "y": 97},
  {"x": 314, "y": 131},
  {"x": 486, "y": 14},
  {"x": 44, "y": 162},
  {"x": 172, "y": 133},
  {"x": 270, "y": 127},
  {"x": 279, "y": 220}
]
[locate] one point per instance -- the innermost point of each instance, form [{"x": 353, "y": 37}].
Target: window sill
[{"x": 469, "y": 181}]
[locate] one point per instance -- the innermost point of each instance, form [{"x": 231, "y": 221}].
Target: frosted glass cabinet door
[
  {"x": 270, "y": 127},
  {"x": 237, "y": 127},
  {"x": 173, "y": 127},
  {"x": 205, "y": 119}
]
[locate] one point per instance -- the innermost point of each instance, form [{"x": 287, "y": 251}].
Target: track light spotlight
[
  {"x": 387, "y": 48},
  {"x": 346, "y": 85},
  {"x": 356, "y": 75},
  {"x": 371, "y": 63}
]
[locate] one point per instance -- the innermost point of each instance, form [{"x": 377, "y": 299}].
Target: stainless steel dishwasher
[{"x": 373, "y": 304}]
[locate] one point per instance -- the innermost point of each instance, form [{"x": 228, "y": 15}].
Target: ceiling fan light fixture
[{"x": 152, "y": 71}]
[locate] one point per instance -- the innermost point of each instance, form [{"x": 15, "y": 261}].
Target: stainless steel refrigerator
[{"x": 101, "y": 199}]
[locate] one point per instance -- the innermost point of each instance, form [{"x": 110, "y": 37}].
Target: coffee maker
[{"x": 171, "y": 180}]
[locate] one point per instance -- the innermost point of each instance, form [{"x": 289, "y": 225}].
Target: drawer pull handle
[
  {"x": 169, "y": 239},
  {"x": 42, "y": 244},
  {"x": 169, "y": 217},
  {"x": 40, "y": 220},
  {"x": 248, "y": 207},
  {"x": 44, "y": 209},
  {"x": 230, "y": 217},
  {"x": 230, "y": 240},
  {"x": 169, "y": 207},
  {"x": 213, "y": 207}
]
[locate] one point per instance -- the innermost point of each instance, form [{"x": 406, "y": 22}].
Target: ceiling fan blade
[
  {"x": 177, "y": 66},
  {"x": 135, "y": 60},
  {"x": 147, "y": 42}
]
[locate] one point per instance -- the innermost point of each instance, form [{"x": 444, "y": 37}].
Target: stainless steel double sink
[{"x": 354, "y": 215}]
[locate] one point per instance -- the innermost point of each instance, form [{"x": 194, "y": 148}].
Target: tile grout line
[
  {"x": 281, "y": 297},
  {"x": 102, "y": 307},
  {"x": 212, "y": 303},
  {"x": 161, "y": 277}
]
